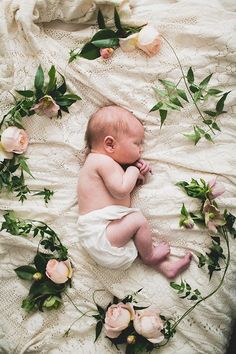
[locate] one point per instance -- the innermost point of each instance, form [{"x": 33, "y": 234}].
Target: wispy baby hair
[{"x": 108, "y": 120}]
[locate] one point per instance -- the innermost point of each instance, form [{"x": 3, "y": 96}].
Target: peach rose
[
  {"x": 148, "y": 40},
  {"x": 46, "y": 106},
  {"x": 59, "y": 272},
  {"x": 14, "y": 140},
  {"x": 149, "y": 325},
  {"x": 106, "y": 52},
  {"x": 118, "y": 318}
]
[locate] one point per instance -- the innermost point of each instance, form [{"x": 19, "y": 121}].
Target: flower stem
[
  {"x": 225, "y": 235},
  {"x": 185, "y": 82}
]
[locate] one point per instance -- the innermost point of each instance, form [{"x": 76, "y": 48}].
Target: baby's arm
[{"x": 118, "y": 182}]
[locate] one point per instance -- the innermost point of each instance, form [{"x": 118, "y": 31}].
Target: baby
[{"x": 110, "y": 230}]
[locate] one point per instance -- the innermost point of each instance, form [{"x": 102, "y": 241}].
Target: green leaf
[
  {"x": 190, "y": 76},
  {"x": 156, "y": 107},
  {"x": 52, "y": 79},
  {"x": 39, "y": 79},
  {"x": 40, "y": 261},
  {"x": 163, "y": 115},
  {"x": 23, "y": 164},
  {"x": 211, "y": 113},
  {"x": 194, "y": 88},
  {"x": 117, "y": 20},
  {"x": 205, "y": 81},
  {"x": 184, "y": 211},
  {"x": 28, "y": 304},
  {"x": 104, "y": 34},
  {"x": 176, "y": 101},
  {"x": 175, "y": 285},
  {"x": 89, "y": 51},
  {"x": 62, "y": 88},
  {"x": 25, "y": 272},
  {"x": 98, "y": 329},
  {"x": 213, "y": 92},
  {"x": 215, "y": 126},
  {"x": 194, "y": 137},
  {"x": 45, "y": 287},
  {"x": 167, "y": 83},
  {"x": 208, "y": 137},
  {"x": 25, "y": 93},
  {"x": 182, "y": 94},
  {"x": 72, "y": 96},
  {"x": 106, "y": 43},
  {"x": 220, "y": 103},
  {"x": 100, "y": 20}
]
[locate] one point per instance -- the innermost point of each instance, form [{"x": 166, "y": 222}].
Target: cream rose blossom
[
  {"x": 118, "y": 317},
  {"x": 148, "y": 40},
  {"x": 59, "y": 272},
  {"x": 149, "y": 325},
  {"x": 14, "y": 140}
]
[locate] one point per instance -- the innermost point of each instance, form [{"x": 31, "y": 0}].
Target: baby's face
[{"x": 129, "y": 145}]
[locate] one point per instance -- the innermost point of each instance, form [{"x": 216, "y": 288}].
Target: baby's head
[{"x": 114, "y": 131}]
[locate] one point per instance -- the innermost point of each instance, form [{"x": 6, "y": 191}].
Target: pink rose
[
  {"x": 59, "y": 272},
  {"x": 216, "y": 189},
  {"x": 14, "y": 140},
  {"x": 46, "y": 106},
  {"x": 118, "y": 318},
  {"x": 149, "y": 40},
  {"x": 148, "y": 324},
  {"x": 106, "y": 52}
]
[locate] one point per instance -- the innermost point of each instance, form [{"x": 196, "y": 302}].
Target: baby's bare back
[{"x": 92, "y": 192}]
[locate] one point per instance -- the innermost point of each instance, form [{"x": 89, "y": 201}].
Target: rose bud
[
  {"x": 59, "y": 272},
  {"x": 37, "y": 276},
  {"x": 14, "y": 140},
  {"x": 46, "y": 106},
  {"x": 131, "y": 339},
  {"x": 106, "y": 52}
]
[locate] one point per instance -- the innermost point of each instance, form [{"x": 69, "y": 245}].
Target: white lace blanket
[{"x": 203, "y": 34}]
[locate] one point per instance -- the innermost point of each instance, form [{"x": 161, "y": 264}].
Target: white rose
[{"x": 149, "y": 325}]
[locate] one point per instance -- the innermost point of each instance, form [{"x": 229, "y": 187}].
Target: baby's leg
[
  {"x": 172, "y": 268},
  {"x": 119, "y": 232}
]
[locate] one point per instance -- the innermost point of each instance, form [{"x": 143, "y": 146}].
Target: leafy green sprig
[
  {"x": 25, "y": 106},
  {"x": 173, "y": 97},
  {"x": 43, "y": 292},
  {"x": 104, "y": 38},
  {"x": 212, "y": 258},
  {"x": 12, "y": 178},
  {"x": 24, "y": 227}
]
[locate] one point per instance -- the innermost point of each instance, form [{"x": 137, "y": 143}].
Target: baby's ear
[{"x": 109, "y": 143}]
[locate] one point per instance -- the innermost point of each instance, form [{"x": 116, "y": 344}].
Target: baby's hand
[{"x": 143, "y": 167}]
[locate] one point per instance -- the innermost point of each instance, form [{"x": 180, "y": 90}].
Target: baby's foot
[
  {"x": 160, "y": 251},
  {"x": 172, "y": 268}
]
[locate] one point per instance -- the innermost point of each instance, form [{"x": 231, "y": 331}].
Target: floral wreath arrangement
[
  {"x": 106, "y": 40},
  {"x": 48, "y": 99},
  {"x": 50, "y": 272}
]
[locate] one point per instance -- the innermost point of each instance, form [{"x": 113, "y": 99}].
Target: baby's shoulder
[{"x": 100, "y": 159}]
